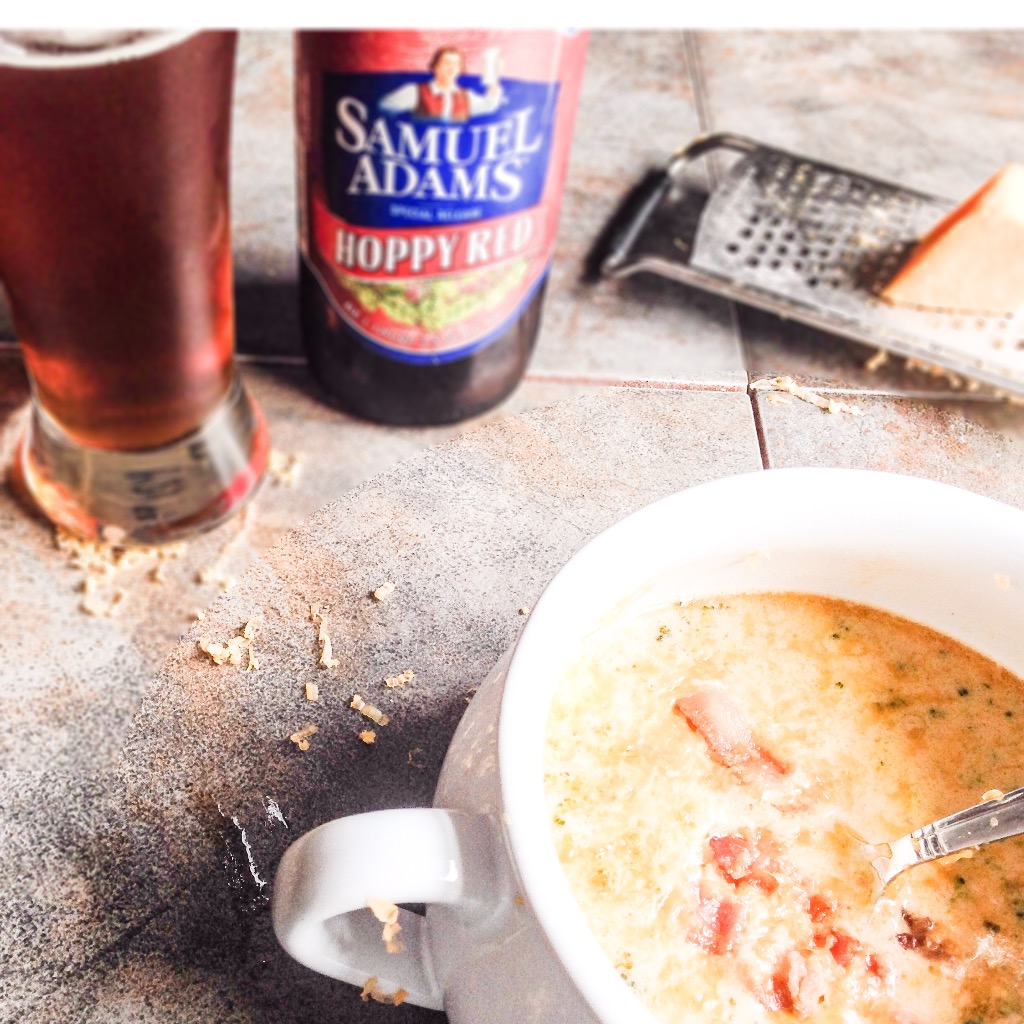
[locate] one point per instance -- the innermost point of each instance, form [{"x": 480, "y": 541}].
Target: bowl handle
[{"x": 328, "y": 877}]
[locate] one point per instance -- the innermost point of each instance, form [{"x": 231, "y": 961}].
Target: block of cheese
[{"x": 972, "y": 261}]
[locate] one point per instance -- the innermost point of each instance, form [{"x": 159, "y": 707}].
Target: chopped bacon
[
  {"x": 798, "y": 984},
  {"x": 745, "y": 856},
  {"x": 719, "y": 920},
  {"x": 843, "y": 946},
  {"x": 820, "y": 908},
  {"x": 919, "y": 937},
  {"x": 710, "y": 712},
  {"x": 878, "y": 966}
]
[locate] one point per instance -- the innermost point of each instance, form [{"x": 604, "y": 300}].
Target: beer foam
[{"x": 58, "y": 48}]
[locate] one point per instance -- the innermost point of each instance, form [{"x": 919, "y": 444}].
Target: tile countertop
[{"x": 656, "y": 376}]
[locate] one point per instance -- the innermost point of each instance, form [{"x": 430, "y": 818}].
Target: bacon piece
[
  {"x": 798, "y": 984},
  {"x": 843, "y": 946},
  {"x": 820, "y": 908},
  {"x": 719, "y": 921},
  {"x": 746, "y": 856},
  {"x": 878, "y": 966},
  {"x": 711, "y": 713},
  {"x": 919, "y": 937}
]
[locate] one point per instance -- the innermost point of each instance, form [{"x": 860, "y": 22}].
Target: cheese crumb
[
  {"x": 101, "y": 560},
  {"x": 992, "y": 794},
  {"x": 283, "y": 469},
  {"x": 327, "y": 658},
  {"x": 312, "y": 691},
  {"x": 954, "y": 380},
  {"x": 790, "y": 386},
  {"x": 372, "y": 991},
  {"x": 234, "y": 649},
  {"x": 301, "y": 738},
  {"x": 525, "y": 610},
  {"x": 207, "y": 574},
  {"x": 100, "y": 607},
  {"x": 387, "y": 913},
  {"x": 384, "y": 591},
  {"x": 368, "y": 736},
  {"x": 400, "y": 680},
  {"x": 374, "y": 714},
  {"x": 877, "y": 361}
]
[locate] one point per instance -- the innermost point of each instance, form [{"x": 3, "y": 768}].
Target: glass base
[{"x": 153, "y": 495}]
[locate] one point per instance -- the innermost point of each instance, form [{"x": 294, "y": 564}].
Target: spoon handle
[{"x": 983, "y": 823}]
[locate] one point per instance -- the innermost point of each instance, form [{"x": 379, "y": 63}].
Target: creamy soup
[{"x": 708, "y": 767}]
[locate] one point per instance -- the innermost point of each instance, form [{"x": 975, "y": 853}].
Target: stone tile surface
[
  {"x": 636, "y": 108},
  {"x": 973, "y": 445},
  {"x": 72, "y": 682},
  {"x": 469, "y": 532}
]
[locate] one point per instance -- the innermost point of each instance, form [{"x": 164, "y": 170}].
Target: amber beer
[{"x": 115, "y": 254}]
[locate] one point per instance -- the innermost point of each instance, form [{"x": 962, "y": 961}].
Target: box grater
[{"x": 810, "y": 242}]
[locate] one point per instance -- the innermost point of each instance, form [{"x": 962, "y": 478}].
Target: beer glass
[{"x": 115, "y": 255}]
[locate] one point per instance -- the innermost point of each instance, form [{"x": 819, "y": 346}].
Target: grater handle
[
  {"x": 626, "y": 228},
  {"x": 704, "y": 144},
  {"x": 614, "y": 247}
]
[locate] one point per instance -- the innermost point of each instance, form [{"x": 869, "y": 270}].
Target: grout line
[
  {"x": 691, "y": 50},
  {"x": 691, "y": 47},
  {"x": 762, "y": 443},
  {"x": 662, "y": 383}
]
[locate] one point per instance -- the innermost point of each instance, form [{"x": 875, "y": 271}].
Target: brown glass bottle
[
  {"x": 431, "y": 166},
  {"x": 387, "y": 391}
]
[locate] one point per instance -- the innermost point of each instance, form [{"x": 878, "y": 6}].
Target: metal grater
[{"x": 810, "y": 242}]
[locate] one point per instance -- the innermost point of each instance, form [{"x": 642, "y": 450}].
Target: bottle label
[{"x": 435, "y": 166}]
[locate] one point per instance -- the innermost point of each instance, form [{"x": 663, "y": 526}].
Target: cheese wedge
[{"x": 972, "y": 261}]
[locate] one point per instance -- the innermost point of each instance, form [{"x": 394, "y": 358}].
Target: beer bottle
[{"x": 430, "y": 170}]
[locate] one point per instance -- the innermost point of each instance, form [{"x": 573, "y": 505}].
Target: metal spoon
[{"x": 987, "y": 822}]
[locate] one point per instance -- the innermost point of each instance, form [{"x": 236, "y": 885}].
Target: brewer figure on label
[
  {"x": 442, "y": 98},
  {"x": 428, "y": 208}
]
